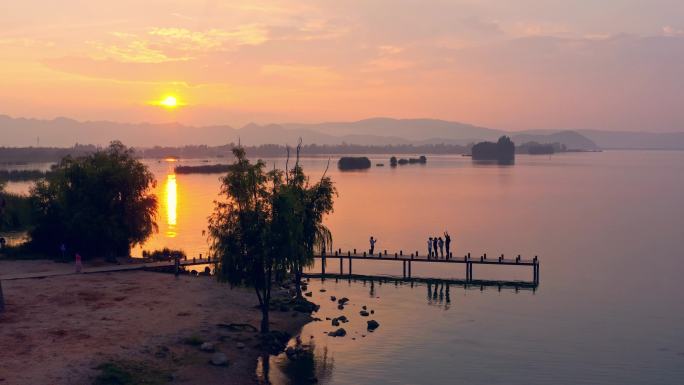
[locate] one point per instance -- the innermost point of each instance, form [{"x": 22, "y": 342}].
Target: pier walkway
[{"x": 407, "y": 262}]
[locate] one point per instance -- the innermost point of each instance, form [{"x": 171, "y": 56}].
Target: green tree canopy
[
  {"x": 98, "y": 205},
  {"x": 241, "y": 230},
  {"x": 267, "y": 225}
]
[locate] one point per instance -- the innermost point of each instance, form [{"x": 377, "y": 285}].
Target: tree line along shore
[{"x": 25, "y": 155}]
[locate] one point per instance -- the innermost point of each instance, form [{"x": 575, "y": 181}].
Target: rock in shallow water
[
  {"x": 338, "y": 333},
  {"x": 373, "y": 324}
]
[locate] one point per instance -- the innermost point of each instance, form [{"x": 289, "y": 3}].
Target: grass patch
[{"x": 131, "y": 373}]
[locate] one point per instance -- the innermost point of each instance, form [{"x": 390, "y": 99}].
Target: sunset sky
[{"x": 609, "y": 64}]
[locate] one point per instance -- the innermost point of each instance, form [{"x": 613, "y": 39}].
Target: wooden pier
[{"x": 407, "y": 262}]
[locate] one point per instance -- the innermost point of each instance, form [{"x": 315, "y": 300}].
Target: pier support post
[
  {"x": 341, "y": 267},
  {"x": 350, "y": 266},
  {"x": 404, "y": 263},
  {"x": 409, "y": 269}
]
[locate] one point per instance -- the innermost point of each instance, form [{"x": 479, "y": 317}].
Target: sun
[{"x": 169, "y": 101}]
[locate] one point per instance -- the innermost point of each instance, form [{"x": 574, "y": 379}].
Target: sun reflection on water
[{"x": 171, "y": 190}]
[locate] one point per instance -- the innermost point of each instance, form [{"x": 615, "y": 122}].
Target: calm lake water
[{"x": 608, "y": 228}]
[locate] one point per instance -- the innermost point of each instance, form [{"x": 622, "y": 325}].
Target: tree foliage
[
  {"x": 98, "y": 204},
  {"x": 267, "y": 225},
  {"x": 310, "y": 204},
  {"x": 239, "y": 230}
]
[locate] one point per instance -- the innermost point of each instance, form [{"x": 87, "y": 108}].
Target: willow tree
[
  {"x": 311, "y": 202},
  {"x": 99, "y": 204},
  {"x": 242, "y": 232}
]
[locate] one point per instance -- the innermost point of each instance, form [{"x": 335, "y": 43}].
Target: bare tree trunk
[
  {"x": 264, "y": 319},
  {"x": 298, "y": 281}
]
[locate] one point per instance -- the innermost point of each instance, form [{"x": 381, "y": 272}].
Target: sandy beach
[{"x": 57, "y": 330}]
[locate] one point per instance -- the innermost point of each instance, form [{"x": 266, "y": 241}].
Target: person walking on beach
[
  {"x": 440, "y": 242},
  {"x": 447, "y": 243},
  {"x": 434, "y": 246},
  {"x": 429, "y": 247},
  {"x": 372, "y": 245},
  {"x": 79, "y": 263}
]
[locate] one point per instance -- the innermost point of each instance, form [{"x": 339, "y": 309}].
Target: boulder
[
  {"x": 364, "y": 313},
  {"x": 338, "y": 333},
  {"x": 308, "y": 294},
  {"x": 343, "y": 301},
  {"x": 372, "y": 325},
  {"x": 207, "y": 347},
  {"x": 333, "y": 298},
  {"x": 219, "y": 359}
]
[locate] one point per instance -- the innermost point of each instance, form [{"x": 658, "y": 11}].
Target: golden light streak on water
[{"x": 171, "y": 190}]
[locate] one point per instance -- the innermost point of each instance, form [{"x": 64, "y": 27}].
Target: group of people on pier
[{"x": 437, "y": 247}]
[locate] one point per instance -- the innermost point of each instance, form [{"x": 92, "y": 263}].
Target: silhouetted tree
[
  {"x": 244, "y": 235},
  {"x": 309, "y": 205},
  {"x": 97, "y": 204}
]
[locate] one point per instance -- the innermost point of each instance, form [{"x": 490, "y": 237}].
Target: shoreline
[{"x": 61, "y": 328}]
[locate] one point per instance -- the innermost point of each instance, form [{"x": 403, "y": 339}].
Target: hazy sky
[{"x": 612, "y": 64}]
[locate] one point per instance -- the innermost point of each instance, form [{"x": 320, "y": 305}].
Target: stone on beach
[
  {"x": 219, "y": 359},
  {"x": 207, "y": 347}
]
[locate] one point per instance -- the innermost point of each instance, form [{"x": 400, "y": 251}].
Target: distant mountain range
[{"x": 63, "y": 132}]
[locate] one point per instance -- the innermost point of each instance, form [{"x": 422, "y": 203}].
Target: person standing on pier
[
  {"x": 434, "y": 246},
  {"x": 440, "y": 242},
  {"x": 447, "y": 243},
  {"x": 372, "y": 245},
  {"x": 429, "y": 247}
]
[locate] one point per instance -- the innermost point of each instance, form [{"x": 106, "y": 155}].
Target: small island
[
  {"x": 353, "y": 163},
  {"x": 503, "y": 151},
  {"x": 420, "y": 160}
]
